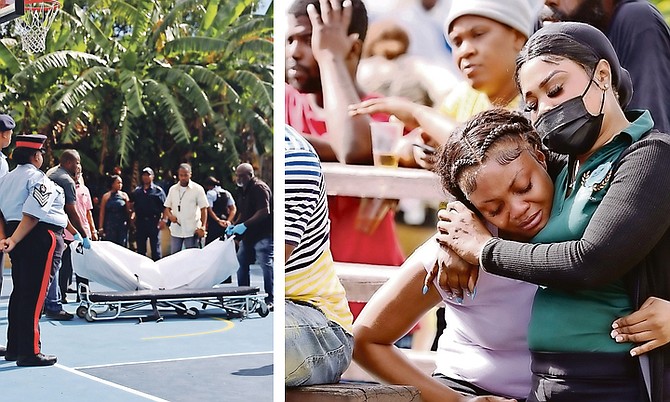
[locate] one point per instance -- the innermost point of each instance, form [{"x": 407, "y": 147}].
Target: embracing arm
[
  {"x": 629, "y": 222},
  {"x": 391, "y": 313}
]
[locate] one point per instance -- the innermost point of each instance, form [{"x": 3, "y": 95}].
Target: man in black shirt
[
  {"x": 147, "y": 204},
  {"x": 253, "y": 224}
]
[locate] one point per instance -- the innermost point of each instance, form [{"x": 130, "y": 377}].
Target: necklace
[{"x": 181, "y": 195}]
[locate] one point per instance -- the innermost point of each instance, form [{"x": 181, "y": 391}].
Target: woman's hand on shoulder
[
  {"x": 455, "y": 276},
  {"x": 649, "y": 327},
  {"x": 462, "y": 231}
]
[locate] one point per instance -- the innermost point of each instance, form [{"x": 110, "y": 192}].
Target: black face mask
[{"x": 569, "y": 128}]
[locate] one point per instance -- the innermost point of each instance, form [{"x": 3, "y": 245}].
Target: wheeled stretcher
[
  {"x": 136, "y": 282},
  {"x": 236, "y": 301}
]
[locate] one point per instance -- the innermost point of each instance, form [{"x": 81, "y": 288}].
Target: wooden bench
[
  {"x": 353, "y": 392},
  {"x": 361, "y": 281},
  {"x": 382, "y": 182}
]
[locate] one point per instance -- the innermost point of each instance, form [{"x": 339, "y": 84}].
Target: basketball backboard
[{"x": 10, "y": 9}]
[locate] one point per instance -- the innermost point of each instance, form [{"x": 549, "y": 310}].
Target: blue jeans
[
  {"x": 53, "y": 300},
  {"x": 176, "y": 243},
  {"x": 317, "y": 350},
  {"x": 263, "y": 251}
]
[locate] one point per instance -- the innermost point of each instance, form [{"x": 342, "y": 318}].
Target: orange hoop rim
[{"x": 46, "y": 5}]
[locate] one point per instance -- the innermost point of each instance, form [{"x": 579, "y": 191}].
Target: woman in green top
[{"x": 606, "y": 247}]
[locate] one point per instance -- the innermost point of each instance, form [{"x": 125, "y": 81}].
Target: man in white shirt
[{"x": 186, "y": 208}]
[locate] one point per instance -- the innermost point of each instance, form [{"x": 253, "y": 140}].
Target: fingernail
[
  {"x": 633, "y": 353},
  {"x": 615, "y": 325},
  {"x": 613, "y": 334},
  {"x": 449, "y": 295},
  {"x": 424, "y": 290},
  {"x": 467, "y": 293},
  {"x": 619, "y": 338},
  {"x": 459, "y": 300}
]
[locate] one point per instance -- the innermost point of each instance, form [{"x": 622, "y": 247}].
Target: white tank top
[{"x": 485, "y": 341}]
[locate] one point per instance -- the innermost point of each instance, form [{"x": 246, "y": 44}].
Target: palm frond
[
  {"x": 131, "y": 86},
  {"x": 168, "y": 110},
  {"x": 186, "y": 86},
  {"x": 60, "y": 59},
  {"x": 83, "y": 85}
]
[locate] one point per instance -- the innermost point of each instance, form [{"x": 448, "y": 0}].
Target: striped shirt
[{"x": 310, "y": 274}]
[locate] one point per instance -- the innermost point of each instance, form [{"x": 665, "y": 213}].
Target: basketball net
[{"x": 34, "y": 25}]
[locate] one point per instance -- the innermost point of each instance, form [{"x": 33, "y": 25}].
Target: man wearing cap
[
  {"x": 32, "y": 208},
  {"x": 63, "y": 175},
  {"x": 147, "y": 205},
  {"x": 6, "y": 129}
]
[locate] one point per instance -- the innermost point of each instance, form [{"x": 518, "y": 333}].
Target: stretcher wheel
[
  {"x": 81, "y": 311},
  {"x": 193, "y": 313},
  {"x": 181, "y": 310},
  {"x": 263, "y": 309},
  {"x": 90, "y": 315}
]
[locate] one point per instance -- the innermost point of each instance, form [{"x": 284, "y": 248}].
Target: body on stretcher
[
  {"x": 236, "y": 301},
  {"x": 191, "y": 275}
]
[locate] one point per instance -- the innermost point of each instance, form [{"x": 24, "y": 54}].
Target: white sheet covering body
[{"x": 121, "y": 269}]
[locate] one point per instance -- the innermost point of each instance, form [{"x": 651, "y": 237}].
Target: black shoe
[
  {"x": 61, "y": 315},
  {"x": 37, "y": 360},
  {"x": 3, "y": 350},
  {"x": 10, "y": 357}
]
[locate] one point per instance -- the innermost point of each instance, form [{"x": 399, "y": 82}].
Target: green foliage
[
  {"x": 664, "y": 7},
  {"x": 132, "y": 83}
]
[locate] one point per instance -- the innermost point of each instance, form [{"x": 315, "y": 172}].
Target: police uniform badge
[{"x": 41, "y": 194}]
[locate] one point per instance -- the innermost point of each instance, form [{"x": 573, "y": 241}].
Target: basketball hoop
[{"x": 34, "y": 25}]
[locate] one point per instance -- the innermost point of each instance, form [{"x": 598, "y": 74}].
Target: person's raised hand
[
  {"x": 330, "y": 36},
  {"x": 425, "y": 152},
  {"x": 649, "y": 326},
  {"x": 399, "y": 107},
  {"x": 462, "y": 231}
]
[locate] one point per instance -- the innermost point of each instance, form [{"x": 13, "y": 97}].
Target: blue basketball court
[{"x": 211, "y": 358}]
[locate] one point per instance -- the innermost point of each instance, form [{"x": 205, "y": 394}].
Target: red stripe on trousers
[{"x": 43, "y": 292}]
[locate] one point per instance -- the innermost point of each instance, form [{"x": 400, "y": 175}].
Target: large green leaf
[
  {"x": 60, "y": 59},
  {"x": 131, "y": 86},
  {"x": 169, "y": 110},
  {"x": 83, "y": 85},
  {"x": 182, "y": 83}
]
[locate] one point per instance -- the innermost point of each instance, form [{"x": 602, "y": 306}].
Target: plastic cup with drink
[{"x": 385, "y": 139}]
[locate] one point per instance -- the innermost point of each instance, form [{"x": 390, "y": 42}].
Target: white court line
[
  {"x": 111, "y": 384},
  {"x": 170, "y": 360}
]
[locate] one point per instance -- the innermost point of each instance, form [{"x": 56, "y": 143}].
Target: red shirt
[{"x": 347, "y": 243}]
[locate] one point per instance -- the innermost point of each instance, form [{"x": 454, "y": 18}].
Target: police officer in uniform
[
  {"x": 32, "y": 208},
  {"x": 147, "y": 204}
]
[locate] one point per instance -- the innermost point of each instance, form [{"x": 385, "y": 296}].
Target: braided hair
[{"x": 470, "y": 146}]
